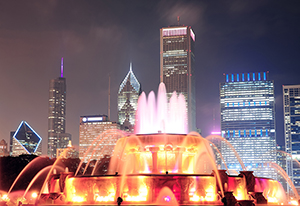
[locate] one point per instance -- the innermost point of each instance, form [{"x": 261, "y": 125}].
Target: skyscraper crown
[{"x": 132, "y": 79}]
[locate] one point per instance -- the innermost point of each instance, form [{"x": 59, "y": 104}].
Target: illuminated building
[
  {"x": 128, "y": 95},
  {"x": 26, "y": 141},
  {"x": 99, "y": 133},
  {"x": 281, "y": 161},
  {"x": 248, "y": 122},
  {"x": 291, "y": 104},
  {"x": 3, "y": 148},
  {"x": 57, "y": 115},
  {"x": 68, "y": 152},
  {"x": 177, "y": 66}
]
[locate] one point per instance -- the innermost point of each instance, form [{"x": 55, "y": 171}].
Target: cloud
[{"x": 189, "y": 13}]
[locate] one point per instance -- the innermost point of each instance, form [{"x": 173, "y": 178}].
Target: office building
[
  {"x": 248, "y": 122},
  {"x": 291, "y": 109},
  {"x": 26, "y": 141},
  {"x": 128, "y": 96},
  {"x": 3, "y": 148},
  {"x": 177, "y": 66},
  {"x": 68, "y": 152},
  {"x": 282, "y": 158},
  {"x": 57, "y": 115},
  {"x": 97, "y": 137}
]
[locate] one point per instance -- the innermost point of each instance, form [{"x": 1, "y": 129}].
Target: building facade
[
  {"x": 282, "y": 158},
  {"x": 291, "y": 110},
  {"x": 177, "y": 66},
  {"x": 248, "y": 122},
  {"x": 3, "y": 148},
  {"x": 26, "y": 141},
  {"x": 57, "y": 115},
  {"x": 97, "y": 137},
  {"x": 68, "y": 152},
  {"x": 128, "y": 96}
]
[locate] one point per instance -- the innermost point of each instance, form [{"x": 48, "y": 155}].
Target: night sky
[{"x": 98, "y": 38}]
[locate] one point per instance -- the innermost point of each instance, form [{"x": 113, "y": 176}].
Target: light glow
[
  {"x": 193, "y": 35},
  {"x": 175, "y": 31},
  {"x": 34, "y": 195},
  {"x": 78, "y": 199}
]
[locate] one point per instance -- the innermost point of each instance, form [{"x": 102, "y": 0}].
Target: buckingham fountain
[{"x": 161, "y": 164}]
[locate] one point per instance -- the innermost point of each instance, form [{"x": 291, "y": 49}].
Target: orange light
[
  {"x": 293, "y": 202},
  {"x": 143, "y": 193},
  {"x": 78, "y": 199},
  {"x": 34, "y": 195}
]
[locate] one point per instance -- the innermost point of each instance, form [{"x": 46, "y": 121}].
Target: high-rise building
[
  {"x": 281, "y": 161},
  {"x": 128, "y": 96},
  {"x": 26, "y": 141},
  {"x": 248, "y": 122},
  {"x": 97, "y": 137},
  {"x": 291, "y": 104},
  {"x": 57, "y": 115},
  {"x": 177, "y": 66},
  {"x": 3, "y": 148},
  {"x": 68, "y": 152}
]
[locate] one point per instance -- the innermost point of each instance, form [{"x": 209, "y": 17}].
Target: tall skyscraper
[
  {"x": 128, "y": 96},
  {"x": 97, "y": 131},
  {"x": 291, "y": 104},
  {"x": 248, "y": 122},
  {"x": 57, "y": 114},
  {"x": 26, "y": 141},
  {"x": 177, "y": 62}
]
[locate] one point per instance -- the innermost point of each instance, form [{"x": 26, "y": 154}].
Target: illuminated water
[{"x": 159, "y": 165}]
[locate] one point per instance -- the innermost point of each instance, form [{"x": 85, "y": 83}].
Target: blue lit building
[
  {"x": 248, "y": 122},
  {"x": 128, "y": 96},
  {"x": 26, "y": 141},
  {"x": 291, "y": 104}
]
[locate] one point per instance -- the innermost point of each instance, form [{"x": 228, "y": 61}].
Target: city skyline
[{"x": 98, "y": 38}]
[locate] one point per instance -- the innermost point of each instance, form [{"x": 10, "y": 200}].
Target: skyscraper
[
  {"x": 26, "y": 141},
  {"x": 57, "y": 114},
  {"x": 291, "y": 104},
  {"x": 128, "y": 96},
  {"x": 248, "y": 122},
  {"x": 97, "y": 131},
  {"x": 177, "y": 62}
]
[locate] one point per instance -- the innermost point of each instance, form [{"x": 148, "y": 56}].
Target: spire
[
  {"x": 62, "y": 67},
  {"x": 132, "y": 79}
]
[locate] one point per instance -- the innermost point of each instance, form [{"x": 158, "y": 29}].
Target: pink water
[{"x": 161, "y": 116}]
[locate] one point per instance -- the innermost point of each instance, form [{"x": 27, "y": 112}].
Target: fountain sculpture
[{"x": 161, "y": 165}]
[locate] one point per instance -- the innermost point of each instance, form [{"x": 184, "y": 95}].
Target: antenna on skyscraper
[
  {"x": 108, "y": 114},
  {"x": 178, "y": 19},
  {"x": 62, "y": 67}
]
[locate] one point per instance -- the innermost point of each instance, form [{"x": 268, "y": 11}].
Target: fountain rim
[
  {"x": 148, "y": 175},
  {"x": 161, "y": 133}
]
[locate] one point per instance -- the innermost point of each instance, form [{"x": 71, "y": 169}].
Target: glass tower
[
  {"x": 177, "y": 66},
  {"x": 128, "y": 95},
  {"x": 57, "y": 115},
  {"x": 291, "y": 104},
  {"x": 248, "y": 122},
  {"x": 26, "y": 141}
]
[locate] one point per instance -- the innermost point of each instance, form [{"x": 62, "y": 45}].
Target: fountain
[{"x": 161, "y": 164}]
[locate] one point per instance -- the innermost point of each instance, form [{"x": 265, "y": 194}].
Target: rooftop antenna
[
  {"x": 108, "y": 114},
  {"x": 130, "y": 67},
  {"x": 178, "y": 19},
  {"x": 62, "y": 68}
]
